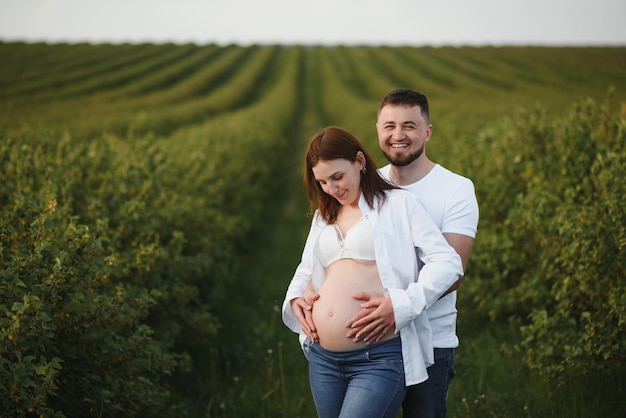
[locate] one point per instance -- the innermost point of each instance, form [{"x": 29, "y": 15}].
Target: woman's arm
[
  {"x": 442, "y": 267},
  {"x": 295, "y": 314}
]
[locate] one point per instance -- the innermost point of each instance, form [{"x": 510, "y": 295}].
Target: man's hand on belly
[{"x": 374, "y": 320}]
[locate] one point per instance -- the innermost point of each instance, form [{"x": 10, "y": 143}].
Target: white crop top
[{"x": 357, "y": 244}]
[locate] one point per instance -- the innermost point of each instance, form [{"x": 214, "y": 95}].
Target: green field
[{"x": 152, "y": 213}]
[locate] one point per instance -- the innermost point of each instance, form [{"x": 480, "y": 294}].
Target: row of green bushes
[
  {"x": 551, "y": 252},
  {"x": 110, "y": 252},
  {"x": 230, "y": 83},
  {"x": 86, "y": 258}
]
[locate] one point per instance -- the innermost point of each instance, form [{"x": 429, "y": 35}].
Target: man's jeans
[
  {"x": 428, "y": 399},
  {"x": 365, "y": 382}
]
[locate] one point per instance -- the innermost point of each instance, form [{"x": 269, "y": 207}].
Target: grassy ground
[{"x": 492, "y": 381}]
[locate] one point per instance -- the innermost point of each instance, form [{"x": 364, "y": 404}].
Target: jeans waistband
[{"x": 392, "y": 342}]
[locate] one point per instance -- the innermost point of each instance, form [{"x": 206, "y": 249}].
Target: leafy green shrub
[
  {"x": 553, "y": 233},
  {"x": 112, "y": 250},
  {"x": 76, "y": 299}
]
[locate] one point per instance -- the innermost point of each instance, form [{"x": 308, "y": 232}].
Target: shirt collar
[{"x": 364, "y": 207}]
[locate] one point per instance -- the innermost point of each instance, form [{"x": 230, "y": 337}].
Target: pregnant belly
[{"x": 335, "y": 306}]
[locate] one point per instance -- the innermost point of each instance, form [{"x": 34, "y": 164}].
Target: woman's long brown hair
[{"x": 332, "y": 143}]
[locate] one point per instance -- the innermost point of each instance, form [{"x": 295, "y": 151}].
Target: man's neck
[{"x": 409, "y": 174}]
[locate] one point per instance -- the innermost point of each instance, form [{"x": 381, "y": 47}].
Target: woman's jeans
[{"x": 365, "y": 382}]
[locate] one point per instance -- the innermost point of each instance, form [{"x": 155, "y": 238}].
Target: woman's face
[{"x": 340, "y": 179}]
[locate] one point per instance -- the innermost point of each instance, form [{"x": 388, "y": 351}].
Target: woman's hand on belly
[
  {"x": 374, "y": 321},
  {"x": 310, "y": 295},
  {"x": 302, "y": 310}
]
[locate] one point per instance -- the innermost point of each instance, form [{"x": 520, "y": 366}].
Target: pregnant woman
[{"x": 364, "y": 237}]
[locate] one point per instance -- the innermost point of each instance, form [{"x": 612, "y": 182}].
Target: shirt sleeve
[
  {"x": 461, "y": 210},
  {"x": 302, "y": 277},
  {"x": 442, "y": 267}
]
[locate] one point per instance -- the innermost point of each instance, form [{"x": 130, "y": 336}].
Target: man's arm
[{"x": 462, "y": 244}]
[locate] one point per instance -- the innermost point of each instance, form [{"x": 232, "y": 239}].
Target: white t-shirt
[{"x": 450, "y": 200}]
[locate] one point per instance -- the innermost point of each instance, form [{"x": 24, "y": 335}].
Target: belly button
[{"x": 331, "y": 313}]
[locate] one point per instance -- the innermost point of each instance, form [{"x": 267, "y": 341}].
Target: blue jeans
[
  {"x": 428, "y": 399},
  {"x": 365, "y": 382}
]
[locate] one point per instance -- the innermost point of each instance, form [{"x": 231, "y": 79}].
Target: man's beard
[{"x": 404, "y": 161}]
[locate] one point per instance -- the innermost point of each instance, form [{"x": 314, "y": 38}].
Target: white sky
[{"x": 323, "y": 22}]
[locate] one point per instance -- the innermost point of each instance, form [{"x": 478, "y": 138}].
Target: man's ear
[{"x": 429, "y": 132}]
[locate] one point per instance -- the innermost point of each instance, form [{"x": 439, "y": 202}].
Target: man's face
[{"x": 402, "y": 133}]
